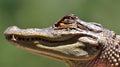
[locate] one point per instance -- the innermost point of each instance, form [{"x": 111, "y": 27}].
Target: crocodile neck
[{"x": 108, "y": 57}]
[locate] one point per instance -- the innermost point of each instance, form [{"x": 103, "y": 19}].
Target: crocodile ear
[{"x": 96, "y": 24}]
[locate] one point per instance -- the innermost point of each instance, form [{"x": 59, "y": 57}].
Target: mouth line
[
  {"x": 42, "y": 40},
  {"x": 15, "y": 37}
]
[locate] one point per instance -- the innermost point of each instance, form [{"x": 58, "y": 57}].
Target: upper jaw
[{"x": 48, "y": 33}]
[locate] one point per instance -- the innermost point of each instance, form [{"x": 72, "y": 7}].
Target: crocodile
[{"x": 71, "y": 40}]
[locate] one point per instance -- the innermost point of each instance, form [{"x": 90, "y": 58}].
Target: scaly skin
[{"x": 78, "y": 43}]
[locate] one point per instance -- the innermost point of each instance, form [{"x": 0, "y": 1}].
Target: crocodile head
[{"x": 70, "y": 39}]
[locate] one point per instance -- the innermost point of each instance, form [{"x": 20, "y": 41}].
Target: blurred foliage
[{"x": 43, "y": 13}]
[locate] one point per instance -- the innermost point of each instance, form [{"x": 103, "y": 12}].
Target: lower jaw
[{"x": 48, "y": 53}]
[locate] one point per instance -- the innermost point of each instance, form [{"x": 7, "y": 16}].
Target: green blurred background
[{"x": 44, "y": 13}]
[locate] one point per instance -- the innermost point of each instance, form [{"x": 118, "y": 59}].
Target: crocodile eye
[{"x": 68, "y": 19}]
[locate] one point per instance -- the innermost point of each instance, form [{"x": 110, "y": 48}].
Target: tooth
[
  {"x": 13, "y": 38},
  {"x": 36, "y": 42}
]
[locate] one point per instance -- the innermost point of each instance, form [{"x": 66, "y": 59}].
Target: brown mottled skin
[{"x": 78, "y": 43}]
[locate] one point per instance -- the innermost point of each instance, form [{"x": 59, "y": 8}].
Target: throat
[
  {"x": 96, "y": 62},
  {"x": 74, "y": 63}
]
